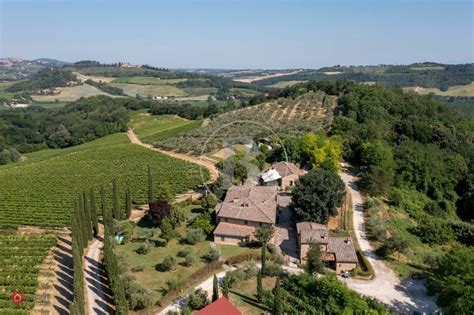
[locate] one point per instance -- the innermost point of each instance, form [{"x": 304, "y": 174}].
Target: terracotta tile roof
[
  {"x": 256, "y": 203},
  {"x": 220, "y": 307},
  {"x": 343, "y": 249},
  {"x": 287, "y": 168},
  {"x": 300, "y": 226},
  {"x": 317, "y": 236},
  {"x": 229, "y": 229}
]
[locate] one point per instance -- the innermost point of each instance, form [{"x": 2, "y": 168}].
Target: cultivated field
[
  {"x": 40, "y": 190},
  {"x": 147, "y": 80},
  {"x": 69, "y": 94},
  {"x": 309, "y": 112},
  {"x": 457, "y": 90},
  {"x": 284, "y": 84},
  {"x": 20, "y": 258},
  {"x": 98, "y": 79},
  {"x": 151, "y": 129},
  {"x": 146, "y": 90}
]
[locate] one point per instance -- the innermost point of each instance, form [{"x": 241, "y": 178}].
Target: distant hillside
[
  {"x": 427, "y": 75},
  {"x": 12, "y": 69}
]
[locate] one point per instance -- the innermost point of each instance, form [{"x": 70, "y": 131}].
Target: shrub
[
  {"x": 166, "y": 230},
  {"x": 433, "y": 231},
  {"x": 213, "y": 255},
  {"x": 197, "y": 299},
  {"x": 464, "y": 232},
  {"x": 189, "y": 260},
  {"x": 273, "y": 270},
  {"x": 172, "y": 284},
  {"x": 143, "y": 234},
  {"x": 241, "y": 258},
  {"x": 184, "y": 252},
  {"x": 204, "y": 222},
  {"x": 194, "y": 236},
  {"x": 138, "y": 296},
  {"x": 169, "y": 263},
  {"x": 144, "y": 248}
]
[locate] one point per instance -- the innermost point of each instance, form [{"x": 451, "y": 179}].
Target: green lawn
[
  {"x": 152, "y": 129},
  {"x": 234, "y": 250},
  {"x": 40, "y": 190},
  {"x": 243, "y": 295},
  {"x": 155, "y": 279}
]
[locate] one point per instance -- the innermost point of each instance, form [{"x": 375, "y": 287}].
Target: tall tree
[
  {"x": 106, "y": 216},
  {"x": 313, "y": 259},
  {"x": 128, "y": 203},
  {"x": 159, "y": 210},
  {"x": 317, "y": 195},
  {"x": 264, "y": 234},
  {"x": 93, "y": 210},
  {"x": 277, "y": 302},
  {"x": 215, "y": 289},
  {"x": 87, "y": 217},
  {"x": 259, "y": 287},
  {"x": 151, "y": 197},
  {"x": 78, "y": 283},
  {"x": 81, "y": 221},
  {"x": 225, "y": 288},
  {"x": 115, "y": 201}
]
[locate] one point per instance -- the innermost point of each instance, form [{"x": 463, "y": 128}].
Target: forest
[
  {"x": 425, "y": 75},
  {"x": 36, "y": 128},
  {"x": 44, "y": 79}
]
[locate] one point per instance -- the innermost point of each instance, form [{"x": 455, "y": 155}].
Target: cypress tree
[
  {"x": 111, "y": 267},
  {"x": 115, "y": 201},
  {"x": 215, "y": 289},
  {"x": 87, "y": 217},
  {"x": 259, "y": 287},
  {"x": 278, "y": 306},
  {"x": 225, "y": 288},
  {"x": 106, "y": 217},
  {"x": 150, "y": 186},
  {"x": 93, "y": 208},
  {"x": 78, "y": 284},
  {"x": 128, "y": 203},
  {"x": 264, "y": 259},
  {"x": 79, "y": 220}
]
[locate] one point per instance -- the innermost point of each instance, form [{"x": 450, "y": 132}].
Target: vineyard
[
  {"x": 308, "y": 112},
  {"x": 40, "y": 190},
  {"x": 151, "y": 129},
  {"x": 20, "y": 258}
]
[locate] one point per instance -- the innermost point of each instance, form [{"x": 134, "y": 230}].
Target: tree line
[
  {"x": 442, "y": 77},
  {"x": 36, "y": 128},
  {"x": 44, "y": 79}
]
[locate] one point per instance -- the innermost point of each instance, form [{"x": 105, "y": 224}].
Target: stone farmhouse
[
  {"x": 338, "y": 253},
  {"x": 243, "y": 209},
  {"x": 281, "y": 174}
]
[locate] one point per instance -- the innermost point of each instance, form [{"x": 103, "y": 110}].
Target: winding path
[
  {"x": 203, "y": 161},
  {"x": 404, "y": 296}
]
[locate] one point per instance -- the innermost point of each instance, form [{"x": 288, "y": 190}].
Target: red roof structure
[{"x": 220, "y": 307}]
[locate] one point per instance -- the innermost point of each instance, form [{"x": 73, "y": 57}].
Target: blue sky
[{"x": 239, "y": 34}]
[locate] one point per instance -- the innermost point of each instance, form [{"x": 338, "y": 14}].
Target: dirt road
[
  {"x": 99, "y": 299},
  {"x": 404, "y": 296},
  {"x": 200, "y": 160}
]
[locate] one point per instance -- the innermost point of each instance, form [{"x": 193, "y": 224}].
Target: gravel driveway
[{"x": 404, "y": 296}]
